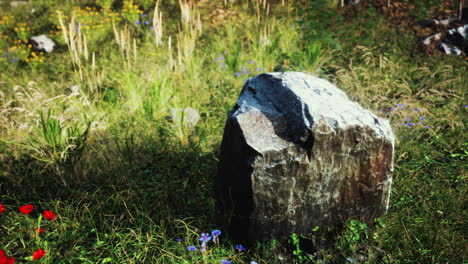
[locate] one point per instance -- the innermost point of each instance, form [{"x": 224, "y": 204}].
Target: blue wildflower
[
  {"x": 416, "y": 109},
  {"x": 216, "y": 232},
  {"x": 427, "y": 127},
  {"x": 136, "y": 23},
  {"x": 259, "y": 69},
  {"x": 392, "y": 109},
  {"x": 422, "y": 118},
  {"x": 253, "y": 262},
  {"x": 220, "y": 58},
  {"x": 147, "y": 22},
  {"x": 401, "y": 106},
  {"x": 178, "y": 239},
  {"x": 240, "y": 247},
  {"x": 303, "y": 26},
  {"x": 237, "y": 74},
  {"x": 408, "y": 119},
  {"x": 205, "y": 237},
  {"x": 144, "y": 15},
  {"x": 250, "y": 62},
  {"x": 225, "y": 261},
  {"x": 410, "y": 124},
  {"x": 191, "y": 248}
]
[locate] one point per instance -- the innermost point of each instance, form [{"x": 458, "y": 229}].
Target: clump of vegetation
[{"x": 85, "y": 133}]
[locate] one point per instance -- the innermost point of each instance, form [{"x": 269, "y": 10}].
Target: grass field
[{"x": 130, "y": 185}]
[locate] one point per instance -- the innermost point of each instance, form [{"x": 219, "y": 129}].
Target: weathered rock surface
[
  {"x": 42, "y": 43},
  {"x": 297, "y": 153}
]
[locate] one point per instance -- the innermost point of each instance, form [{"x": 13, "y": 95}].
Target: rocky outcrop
[{"x": 297, "y": 153}]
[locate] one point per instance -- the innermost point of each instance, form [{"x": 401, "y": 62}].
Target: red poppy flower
[
  {"x": 38, "y": 254},
  {"x": 49, "y": 215},
  {"x": 39, "y": 230},
  {"x": 2, "y": 208},
  {"x": 4, "y": 259},
  {"x": 26, "y": 209}
]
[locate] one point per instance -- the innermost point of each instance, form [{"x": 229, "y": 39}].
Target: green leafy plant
[
  {"x": 356, "y": 232},
  {"x": 300, "y": 255},
  {"x": 60, "y": 145}
]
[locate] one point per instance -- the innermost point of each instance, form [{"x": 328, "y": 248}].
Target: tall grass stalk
[
  {"x": 127, "y": 45},
  {"x": 262, "y": 9},
  {"x": 158, "y": 25},
  {"x": 76, "y": 43},
  {"x": 170, "y": 63},
  {"x": 187, "y": 36},
  {"x": 190, "y": 17}
]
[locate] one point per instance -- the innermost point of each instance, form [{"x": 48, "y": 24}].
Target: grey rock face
[
  {"x": 42, "y": 43},
  {"x": 297, "y": 153}
]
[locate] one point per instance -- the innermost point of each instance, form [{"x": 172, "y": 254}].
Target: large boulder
[{"x": 296, "y": 154}]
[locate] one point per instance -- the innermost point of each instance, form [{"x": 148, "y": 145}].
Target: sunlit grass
[{"x": 128, "y": 180}]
